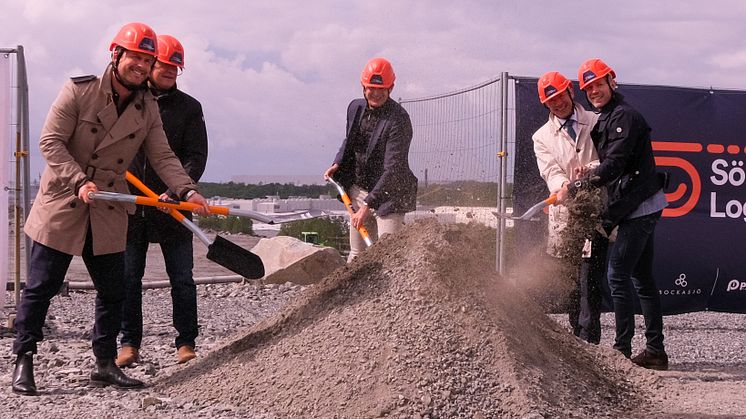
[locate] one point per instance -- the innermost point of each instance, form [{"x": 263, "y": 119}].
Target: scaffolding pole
[
  {"x": 22, "y": 199},
  {"x": 503, "y": 170}
]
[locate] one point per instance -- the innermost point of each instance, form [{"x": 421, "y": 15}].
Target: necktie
[{"x": 570, "y": 130}]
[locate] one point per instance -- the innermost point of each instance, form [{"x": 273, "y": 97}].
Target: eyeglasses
[{"x": 166, "y": 66}]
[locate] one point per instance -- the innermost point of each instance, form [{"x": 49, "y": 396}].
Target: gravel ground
[
  {"x": 707, "y": 373},
  {"x": 65, "y": 359},
  {"x": 707, "y": 376}
]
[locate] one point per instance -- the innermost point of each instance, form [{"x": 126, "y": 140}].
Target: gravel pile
[{"x": 418, "y": 326}]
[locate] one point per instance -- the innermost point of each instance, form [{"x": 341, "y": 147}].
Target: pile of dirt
[
  {"x": 417, "y": 326},
  {"x": 585, "y": 217}
]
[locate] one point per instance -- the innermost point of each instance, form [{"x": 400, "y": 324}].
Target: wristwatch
[{"x": 189, "y": 194}]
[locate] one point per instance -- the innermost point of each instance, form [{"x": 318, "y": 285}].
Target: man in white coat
[{"x": 565, "y": 152}]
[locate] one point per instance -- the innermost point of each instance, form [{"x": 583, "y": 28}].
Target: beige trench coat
[
  {"x": 557, "y": 156},
  {"x": 84, "y": 139}
]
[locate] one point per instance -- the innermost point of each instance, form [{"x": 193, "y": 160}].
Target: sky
[{"x": 275, "y": 77}]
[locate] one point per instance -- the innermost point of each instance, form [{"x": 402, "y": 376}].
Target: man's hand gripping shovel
[
  {"x": 220, "y": 251},
  {"x": 348, "y": 204}
]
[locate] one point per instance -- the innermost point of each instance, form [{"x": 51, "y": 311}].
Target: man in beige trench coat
[{"x": 92, "y": 132}]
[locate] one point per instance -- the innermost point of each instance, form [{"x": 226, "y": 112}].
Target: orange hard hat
[
  {"x": 592, "y": 70},
  {"x": 170, "y": 51},
  {"x": 138, "y": 37},
  {"x": 551, "y": 84},
  {"x": 378, "y": 72}
]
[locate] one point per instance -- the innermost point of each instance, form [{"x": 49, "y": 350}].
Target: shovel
[
  {"x": 535, "y": 209},
  {"x": 214, "y": 209},
  {"x": 221, "y": 251},
  {"x": 348, "y": 204}
]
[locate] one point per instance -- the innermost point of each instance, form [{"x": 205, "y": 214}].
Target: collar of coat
[
  {"x": 579, "y": 114},
  {"x": 158, "y": 94},
  {"x": 616, "y": 99}
]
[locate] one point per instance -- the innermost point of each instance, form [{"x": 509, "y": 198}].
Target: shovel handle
[
  {"x": 188, "y": 206},
  {"x": 149, "y": 192},
  {"x": 176, "y": 214},
  {"x": 348, "y": 205}
]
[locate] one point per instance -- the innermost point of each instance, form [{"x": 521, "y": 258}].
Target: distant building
[{"x": 282, "y": 179}]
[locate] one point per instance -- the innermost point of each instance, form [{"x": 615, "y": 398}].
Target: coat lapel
[
  {"x": 129, "y": 122},
  {"x": 108, "y": 116},
  {"x": 383, "y": 120}
]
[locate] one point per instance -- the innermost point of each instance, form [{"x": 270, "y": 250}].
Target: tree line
[
  {"x": 460, "y": 193},
  {"x": 262, "y": 190}
]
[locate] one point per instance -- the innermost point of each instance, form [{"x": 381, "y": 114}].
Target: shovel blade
[{"x": 235, "y": 258}]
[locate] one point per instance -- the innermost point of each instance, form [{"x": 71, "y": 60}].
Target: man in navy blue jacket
[
  {"x": 372, "y": 163},
  {"x": 635, "y": 201},
  {"x": 184, "y": 125}
]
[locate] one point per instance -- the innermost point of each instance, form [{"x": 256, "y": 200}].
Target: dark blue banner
[{"x": 698, "y": 138}]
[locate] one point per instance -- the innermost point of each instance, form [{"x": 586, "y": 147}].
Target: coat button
[
  {"x": 137, "y": 106},
  {"x": 73, "y": 205},
  {"x": 111, "y": 207},
  {"x": 111, "y": 184},
  {"x": 120, "y": 161},
  {"x": 94, "y": 156},
  {"x": 132, "y": 135},
  {"x": 94, "y": 130}
]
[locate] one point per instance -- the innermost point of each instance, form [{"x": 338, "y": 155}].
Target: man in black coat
[
  {"x": 635, "y": 201},
  {"x": 184, "y": 125},
  {"x": 373, "y": 162}
]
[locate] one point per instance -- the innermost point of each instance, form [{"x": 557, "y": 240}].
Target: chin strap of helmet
[{"x": 128, "y": 86}]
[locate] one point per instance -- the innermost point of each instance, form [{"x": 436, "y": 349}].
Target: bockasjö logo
[
  {"x": 726, "y": 170},
  {"x": 680, "y": 287}
]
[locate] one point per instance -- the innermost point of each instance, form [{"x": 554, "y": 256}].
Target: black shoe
[
  {"x": 23, "y": 375},
  {"x": 651, "y": 361},
  {"x": 107, "y": 373}
]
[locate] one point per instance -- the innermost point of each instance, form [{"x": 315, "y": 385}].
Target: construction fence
[
  {"x": 14, "y": 170},
  {"x": 473, "y": 148}
]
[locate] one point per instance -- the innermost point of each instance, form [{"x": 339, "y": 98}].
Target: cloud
[{"x": 274, "y": 78}]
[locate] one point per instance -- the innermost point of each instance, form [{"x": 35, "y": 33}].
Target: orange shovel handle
[{"x": 147, "y": 191}]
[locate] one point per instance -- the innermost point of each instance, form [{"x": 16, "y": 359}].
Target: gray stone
[{"x": 287, "y": 259}]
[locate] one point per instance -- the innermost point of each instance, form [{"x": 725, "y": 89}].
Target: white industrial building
[{"x": 333, "y": 207}]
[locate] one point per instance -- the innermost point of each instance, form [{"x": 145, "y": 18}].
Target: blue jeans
[
  {"x": 179, "y": 259},
  {"x": 631, "y": 265}
]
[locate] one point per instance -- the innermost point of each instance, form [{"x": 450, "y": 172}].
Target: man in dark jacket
[
  {"x": 184, "y": 125},
  {"x": 634, "y": 204},
  {"x": 373, "y": 162}
]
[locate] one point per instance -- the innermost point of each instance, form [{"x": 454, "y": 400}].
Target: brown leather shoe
[
  {"x": 127, "y": 356},
  {"x": 185, "y": 354},
  {"x": 651, "y": 361}
]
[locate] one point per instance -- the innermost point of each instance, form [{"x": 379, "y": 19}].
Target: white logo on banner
[
  {"x": 682, "y": 283},
  {"x": 736, "y": 285}
]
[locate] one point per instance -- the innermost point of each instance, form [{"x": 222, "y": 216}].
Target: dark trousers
[
  {"x": 179, "y": 259},
  {"x": 631, "y": 265},
  {"x": 47, "y": 269},
  {"x": 584, "y": 311}
]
